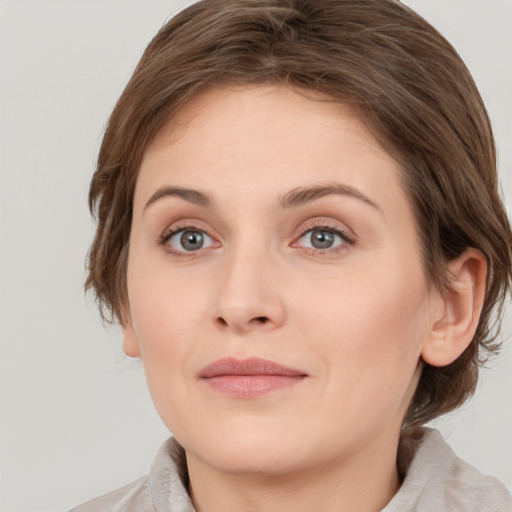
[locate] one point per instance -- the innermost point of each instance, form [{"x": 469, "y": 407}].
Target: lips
[{"x": 248, "y": 378}]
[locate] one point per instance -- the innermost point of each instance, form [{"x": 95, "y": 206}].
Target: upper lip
[{"x": 250, "y": 366}]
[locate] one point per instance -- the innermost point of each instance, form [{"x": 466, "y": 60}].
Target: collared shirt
[{"x": 434, "y": 480}]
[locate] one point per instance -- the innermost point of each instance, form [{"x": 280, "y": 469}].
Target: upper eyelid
[
  {"x": 337, "y": 231},
  {"x": 304, "y": 227},
  {"x": 166, "y": 241},
  {"x": 329, "y": 225},
  {"x": 346, "y": 238},
  {"x": 184, "y": 225}
]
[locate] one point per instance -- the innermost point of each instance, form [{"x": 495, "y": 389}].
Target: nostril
[{"x": 239, "y": 323}]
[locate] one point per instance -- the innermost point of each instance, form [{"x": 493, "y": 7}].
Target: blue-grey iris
[
  {"x": 192, "y": 240},
  {"x": 321, "y": 239}
]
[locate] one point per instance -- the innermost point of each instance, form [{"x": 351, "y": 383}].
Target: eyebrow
[
  {"x": 293, "y": 199},
  {"x": 188, "y": 194},
  {"x": 303, "y": 195}
]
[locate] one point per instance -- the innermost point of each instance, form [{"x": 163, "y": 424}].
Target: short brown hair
[{"x": 405, "y": 81}]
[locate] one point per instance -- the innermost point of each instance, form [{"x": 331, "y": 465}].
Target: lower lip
[{"x": 250, "y": 386}]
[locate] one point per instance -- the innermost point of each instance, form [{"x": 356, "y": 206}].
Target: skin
[{"x": 357, "y": 318}]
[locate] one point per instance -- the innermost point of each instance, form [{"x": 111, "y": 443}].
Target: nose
[{"x": 250, "y": 297}]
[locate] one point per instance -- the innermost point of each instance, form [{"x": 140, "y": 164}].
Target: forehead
[
  {"x": 256, "y": 99},
  {"x": 263, "y": 141}
]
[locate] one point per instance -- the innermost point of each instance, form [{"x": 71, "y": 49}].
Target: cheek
[
  {"x": 163, "y": 303},
  {"x": 371, "y": 325},
  {"x": 166, "y": 327},
  {"x": 166, "y": 316}
]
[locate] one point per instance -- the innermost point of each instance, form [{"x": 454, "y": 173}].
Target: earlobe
[
  {"x": 453, "y": 330},
  {"x": 130, "y": 343}
]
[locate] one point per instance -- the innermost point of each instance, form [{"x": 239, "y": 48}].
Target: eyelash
[
  {"x": 167, "y": 235},
  {"x": 322, "y": 226},
  {"x": 346, "y": 237}
]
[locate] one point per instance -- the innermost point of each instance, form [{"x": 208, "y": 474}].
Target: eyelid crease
[
  {"x": 170, "y": 232},
  {"x": 346, "y": 234}
]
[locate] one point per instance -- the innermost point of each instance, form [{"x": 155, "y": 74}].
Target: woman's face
[{"x": 269, "y": 226}]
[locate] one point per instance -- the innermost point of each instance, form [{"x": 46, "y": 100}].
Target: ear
[
  {"x": 454, "y": 328},
  {"x": 130, "y": 343}
]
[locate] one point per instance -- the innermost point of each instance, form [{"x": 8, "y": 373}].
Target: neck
[{"x": 366, "y": 481}]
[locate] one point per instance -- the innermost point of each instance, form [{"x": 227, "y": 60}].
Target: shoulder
[
  {"x": 436, "y": 479},
  {"x": 163, "y": 489},
  {"x": 134, "y": 496}
]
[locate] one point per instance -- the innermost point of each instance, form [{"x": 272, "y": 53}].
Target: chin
[
  {"x": 254, "y": 461},
  {"x": 250, "y": 451}
]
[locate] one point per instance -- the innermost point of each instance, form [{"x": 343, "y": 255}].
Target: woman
[{"x": 300, "y": 232}]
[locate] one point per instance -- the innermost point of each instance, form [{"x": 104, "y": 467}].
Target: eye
[
  {"x": 323, "y": 238},
  {"x": 188, "y": 240}
]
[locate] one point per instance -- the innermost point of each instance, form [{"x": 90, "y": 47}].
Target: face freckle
[{"x": 329, "y": 285}]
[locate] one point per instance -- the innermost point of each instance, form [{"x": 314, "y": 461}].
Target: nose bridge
[{"x": 249, "y": 296}]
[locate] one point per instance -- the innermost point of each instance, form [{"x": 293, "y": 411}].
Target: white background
[{"x": 76, "y": 419}]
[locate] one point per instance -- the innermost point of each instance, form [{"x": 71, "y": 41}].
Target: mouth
[{"x": 249, "y": 378}]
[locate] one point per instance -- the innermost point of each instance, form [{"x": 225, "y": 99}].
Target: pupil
[
  {"x": 192, "y": 240},
  {"x": 322, "y": 239}
]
